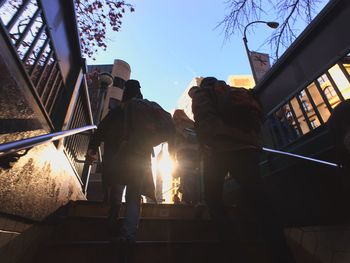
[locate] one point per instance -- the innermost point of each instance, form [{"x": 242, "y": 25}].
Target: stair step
[
  {"x": 149, "y": 229},
  {"x": 154, "y": 252},
  {"x": 95, "y": 228},
  {"x": 91, "y": 208}
]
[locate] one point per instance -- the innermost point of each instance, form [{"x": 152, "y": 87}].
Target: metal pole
[
  {"x": 302, "y": 157},
  {"x": 270, "y": 24},
  {"x": 245, "y": 40},
  {"x": 249, "y": 58}
]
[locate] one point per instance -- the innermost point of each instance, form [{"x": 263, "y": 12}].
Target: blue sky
[{"x": 167, "y": 43}]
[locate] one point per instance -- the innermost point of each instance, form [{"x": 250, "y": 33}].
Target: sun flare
[{"x": 165, "y": 166}]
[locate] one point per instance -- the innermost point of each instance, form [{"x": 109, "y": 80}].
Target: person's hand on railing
[{"x": 91, "y": 156}]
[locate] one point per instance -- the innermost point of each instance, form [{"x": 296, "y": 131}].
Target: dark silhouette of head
[
  {"x": 180, "y": 118},
  {"x": 208, "y": 82},
  {"x": 132, "y": 90}
]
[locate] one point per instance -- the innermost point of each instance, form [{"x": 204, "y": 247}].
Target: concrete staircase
[{"x": 167, "y": 233}]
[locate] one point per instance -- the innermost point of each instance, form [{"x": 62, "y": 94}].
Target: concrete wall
[
  {"x": 38, "y": 184},
  {"x": 42, "y": 180},
  {"x": 321, "y": 244},
  {"x": 19, "y": 240}
]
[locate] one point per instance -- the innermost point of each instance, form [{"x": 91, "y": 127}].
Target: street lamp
[
  {"x": 269, "y": 24},
  {"x": 106, "y": 80}
]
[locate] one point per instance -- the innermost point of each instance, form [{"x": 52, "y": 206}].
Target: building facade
[
  {"x": 245, "y": 81},
  {"x": 185, "y": 102},
  {"x": 106, "y": 94}
]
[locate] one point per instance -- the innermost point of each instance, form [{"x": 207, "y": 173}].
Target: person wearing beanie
[
  {"x": 132, "y": 90},
  {"x": 208, "y": 82},
  {"x": 121, "y": 168}
]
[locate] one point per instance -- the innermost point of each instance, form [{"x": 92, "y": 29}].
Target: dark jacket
[
  {"x": 211, "y": 129},
  {"x": 339, "y": 126},
  {"x": 121, "y": 163}
]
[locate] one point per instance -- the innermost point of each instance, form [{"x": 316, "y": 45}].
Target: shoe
[{"x": 124, "y": 249}]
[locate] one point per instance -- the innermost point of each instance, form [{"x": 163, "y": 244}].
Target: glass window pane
[
  {"x": 299, "y": 115},
  {"x": 314, "y": 124},
  {"x": 340, "y": 80},
  {"x": 328, "y": 88},
  {"x": 292, "y": 123},
  {"x": 319, "y": 102},
  {"x": 346, "y": 63},
  {"x": 310, "y": 112},
  {"x": 23, "y": 20},
  {"x": 9, "y": 9},
  {"x": 283, "y": 126}
]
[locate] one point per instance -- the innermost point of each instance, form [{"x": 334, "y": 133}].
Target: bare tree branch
[
  {"x": 94, "y": 17},
  {"x": 288, "y": 13}
]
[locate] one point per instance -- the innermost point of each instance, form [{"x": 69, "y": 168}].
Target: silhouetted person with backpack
[
  {"x": 228, "y": 122},
  {"x": 125, "y": 163},
  {"x": 185, "y": 149}
]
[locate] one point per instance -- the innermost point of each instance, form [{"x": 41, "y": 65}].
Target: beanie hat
[
  {"x": 208, "y": 81},
  {"x": 132, "y": 90}
]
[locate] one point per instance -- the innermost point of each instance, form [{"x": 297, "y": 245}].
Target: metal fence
[
  {"x": 42, "y": 37},
  {"x": 76, "y": 145},
  {"x": 25, "y": 23}
]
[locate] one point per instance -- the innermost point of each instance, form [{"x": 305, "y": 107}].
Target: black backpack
[{"x": 147, "y": 123}]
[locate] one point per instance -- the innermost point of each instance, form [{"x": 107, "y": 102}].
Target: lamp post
[
  {"x": 269, "y": 24},
  {"x": 106, "y": 80}
]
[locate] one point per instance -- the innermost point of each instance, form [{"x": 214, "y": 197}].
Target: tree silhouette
[
  {"x": 94, "y": 17},
  {"x": 241, "y": 12}
]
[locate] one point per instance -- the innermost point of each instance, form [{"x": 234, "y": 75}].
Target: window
[
  {"x": 283, "y": 126},
  {"x": 326, "y": 83},
  {"x": 306, "y": 106},
  {"x": 329, "y": 92},
  {"x": 323, "y": 80},
  {"x": 340, "y": 80},
  {"x": 311, "y": 107},
  {"x": 346, "y": 63},
  {"x": 313, "y": 124},
  {"x": 289, "y": 115},
  {"x": 300, "y": 116},
  {"x": 320, "y": 103}
]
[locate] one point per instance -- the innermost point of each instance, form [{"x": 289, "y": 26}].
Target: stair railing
[
  {"x": 16, "y": 146},
  {"x": 8, "y": 151}
]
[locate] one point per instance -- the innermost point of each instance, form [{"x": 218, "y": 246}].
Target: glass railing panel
[
  {"x": 319, "y": 102},
  {"x": 340, "y": 80},
  {"x": 329, "y": 90},
  {"x": 300, "y": 116}
]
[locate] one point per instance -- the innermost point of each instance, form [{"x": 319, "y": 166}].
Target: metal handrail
[
  {"x": 11, "y": 147},
  {"x": 302, "y": 157}
]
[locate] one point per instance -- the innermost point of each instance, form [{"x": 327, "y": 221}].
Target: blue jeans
[{"x": 132, "y": 213}]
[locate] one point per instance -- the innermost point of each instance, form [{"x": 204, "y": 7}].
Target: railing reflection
[{"x": 311, "y": 107}]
